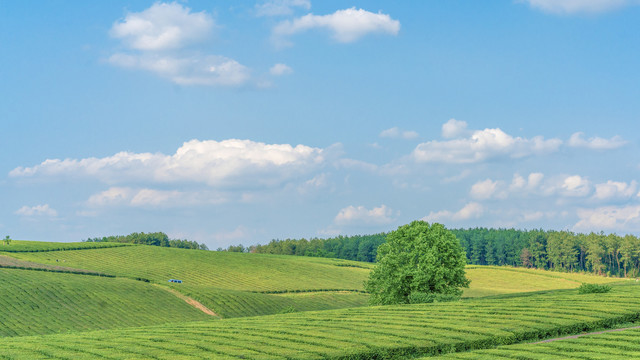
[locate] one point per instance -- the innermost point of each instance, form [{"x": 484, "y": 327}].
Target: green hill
[
  {"x": 38, "y": 302},
  {"x": 361, "y": 333},
  {"x": 232, "y": 284}
]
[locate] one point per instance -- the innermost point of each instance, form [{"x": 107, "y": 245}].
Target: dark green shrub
[{"x": 593, "y": 288}]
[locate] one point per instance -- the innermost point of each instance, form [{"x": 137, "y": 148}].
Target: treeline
[
  {"x": 598, "y": 253},
  {"x": 155, "y": 239},
  {"x": 359, "y": 247}
]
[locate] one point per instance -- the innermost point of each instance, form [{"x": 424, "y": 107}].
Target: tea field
[
  {"x": 38, "y": 302},
  {"x": 357, "y": 333}
]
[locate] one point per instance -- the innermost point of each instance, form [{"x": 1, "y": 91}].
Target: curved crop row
[
  {"x": 357, "y": 333},
  {"x": 39, "y": 302},
  {"x": 611, "y": 345}
]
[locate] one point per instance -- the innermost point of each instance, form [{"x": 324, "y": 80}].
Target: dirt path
[
  {"x": 196, "y": 304},
  {"x": 585, "y": 334}
]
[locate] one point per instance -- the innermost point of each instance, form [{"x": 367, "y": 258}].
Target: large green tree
[{"x": 419, "y": 262}]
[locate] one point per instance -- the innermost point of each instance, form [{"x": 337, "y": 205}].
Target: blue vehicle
[{"x": 175, "y": 281}]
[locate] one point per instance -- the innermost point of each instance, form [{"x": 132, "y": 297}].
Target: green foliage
[
  {"x": 41, "y": 302},
  {"x": 417, "y": 258},
  {"x": 209, "y": 275},
  {"x": 18, "y": 246},
  {"x": 385, "y": 332},
  {"x": 154, "y": 239},
  {"x": 7, "y": 240},
  {"x": 593, "y": 288}
]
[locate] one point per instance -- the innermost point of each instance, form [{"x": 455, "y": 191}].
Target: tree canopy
[{"x": 418, "y": 263}]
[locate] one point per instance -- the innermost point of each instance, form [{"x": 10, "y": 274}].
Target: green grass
[
  {"x": 497, "y": 280},
  {"x": 37, "y": 302},
  {"x": 37, "y": 246},
  {"x": 613, "y": 345},
  {"x": 228, "y": 283},
  {"x": 355, "y": 333}
]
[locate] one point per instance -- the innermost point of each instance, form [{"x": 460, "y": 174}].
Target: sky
[{"x": 238, "y": 122}]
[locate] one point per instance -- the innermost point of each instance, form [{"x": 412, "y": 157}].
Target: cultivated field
[
  {"x": 38, "y": 302},
  {"x": 358, "y": 333}
]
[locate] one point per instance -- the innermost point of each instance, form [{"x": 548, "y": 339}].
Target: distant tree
[
  {"x": 418, "y": 263},
  {"x": 525, "y": 258},
  {"x": 7, "y": 240}
]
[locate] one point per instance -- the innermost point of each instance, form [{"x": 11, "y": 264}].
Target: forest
[
  {"x": 597, "y": 253},
  {"x": 155, "y": 239}
]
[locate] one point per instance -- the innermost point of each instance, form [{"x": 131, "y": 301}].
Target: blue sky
[{"x": 238, "y": 122}]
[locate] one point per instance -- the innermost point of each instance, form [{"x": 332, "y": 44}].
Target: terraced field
[
  {"x": 611, "y": 345},
  {"x": 37, "y": 302},
  {"x": 357, "y": 333},
  {"x": 231, "y": 284},
  {"x": 37, "y": 246}
]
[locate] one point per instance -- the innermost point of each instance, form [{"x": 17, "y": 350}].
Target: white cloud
[
  {"x": 280, "y": 69},
  {"x": 144, "y": 197},
  {"x": 616, "y": 190},
  {"x": 360, "y": 215},
  {"x": 454, "y": 128},
  {"x": 483, "y": 145},
  {"x": 37, "y": 210},
  {"x": 576, "y": 186},
  {"x": 346, "y": 25},
  {"x": 163, "y": 26},
  {"x": 596, "y": 143},
  {"x": 395, "y": 133},
  {"x": 193, "y": 70},
  {"x": 155, "y": 37},
  {"x": 486, "y": 189},
  {"x": 624, "y": 218},
  {"x": 469, "y": 211},
  {"x": 227, "y": 163},
  {"x": 578, "y": 6},
  {"x": 280, "y": 7}
]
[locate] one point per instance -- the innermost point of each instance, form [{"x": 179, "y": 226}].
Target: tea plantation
[{"x": 280, "y": 307}]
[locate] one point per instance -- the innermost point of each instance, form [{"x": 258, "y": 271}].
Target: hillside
[
  {"x": 38, "y": 302},
  {"x": 382, "y": 332},
  {"x": 232, "y": 284}
]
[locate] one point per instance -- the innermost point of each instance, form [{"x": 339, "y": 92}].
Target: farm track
[
  {"x": 10, "y": 262},
  {"x": 193, "y": 302}
]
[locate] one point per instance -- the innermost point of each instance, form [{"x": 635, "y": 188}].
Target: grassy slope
[
  {"x": 226, "y": 282},
  {"x": 614, "y": 345},
  {"x": 37, "y": 302},
  {"x": 358, "y": 333},
  {"x": 495, "y": 280},
  {"x": 28, "y": 246}
]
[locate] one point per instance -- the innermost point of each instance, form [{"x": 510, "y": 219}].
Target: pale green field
[{"x": 496, "y": 280}]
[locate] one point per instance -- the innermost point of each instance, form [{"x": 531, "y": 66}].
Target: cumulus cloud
[
  {"x": 281, "y": 7},
  {"x": 483, "y": 145},
  {"x": 596, "y": 143},
  {"x": 486, "y": 189},
  {"x": 609, "y": 217},
  {"x": 395, "y": 133},
  {"x": 578, "y": 6},
  {"x": 191, "y": 70},
  {"x": 346, "y": 25},
  {"x": 37, "y": 210},
  {"x": 454, "y": 128},
  {"x": 616, "y": 190},
  {"x": 163, "y": 26},
  {"x": 227, "y": 163},
  {"x": 576, "y": 186},
  {"x": 156, "y": 37},
  {"x": 280, "y": 69},
  {"x": 359, "y": 215},
  {"x": 469, "y": 211}
]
